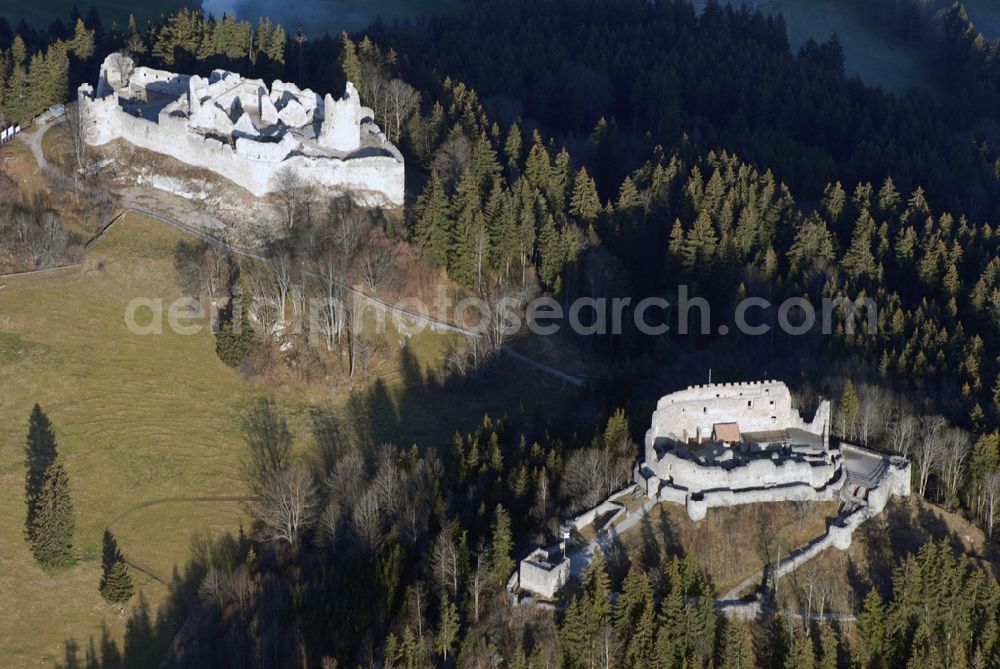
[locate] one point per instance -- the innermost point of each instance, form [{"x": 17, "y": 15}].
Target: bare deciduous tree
[
  {"x": 74, "y": 130},
  {"x": 329, "y": 521},
  {"x": 903, "y": 434},
  {"x": 927, "y": 450},
  {"x": 376, "y": 260},
  {"x": 286, "y": 506},
  {"x": 387, "y": 479},
  {"x": 502, "y": 321},
  {"x": 367, "y": 519},
  {"x": 453, "y": 159},
  {"x": 125, "y": 65},
  {"x": 401, "y": 101},
  {"x": 347, "y": 481},
  {"x": 991, "y": 500},
  {"x": 289, "y": 194},
  {"x": 446, "y": 560},
  {"x": 955, "y": 450},
  {"x": 283, "y": 271},
  {"x": 591, "y": 475},
  {"x": 479, "y": 581}
]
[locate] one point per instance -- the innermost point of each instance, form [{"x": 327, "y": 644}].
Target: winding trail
[
  {"x": 145, "y": 567},
  {"x": 130, "y": 203}
]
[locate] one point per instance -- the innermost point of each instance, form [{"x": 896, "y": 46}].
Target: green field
[
  {"x": 137, "y": 419},
  {"x": 146, "y": 423}
]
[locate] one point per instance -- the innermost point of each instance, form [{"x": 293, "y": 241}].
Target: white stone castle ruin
[
  {"x": 240, "y": 129},
  {"x": 709, "y": 445},
  {"x": 727, "y": 444}
]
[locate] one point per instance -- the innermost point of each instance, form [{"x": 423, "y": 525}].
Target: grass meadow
[{"x": 148, "y": 427}]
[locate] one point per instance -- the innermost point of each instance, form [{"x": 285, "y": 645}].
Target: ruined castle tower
[{"x": 342, "y": 121}]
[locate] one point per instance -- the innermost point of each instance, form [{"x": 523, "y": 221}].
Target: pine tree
[
  {"x": 134, "y": 42},
  {"x": 553, "y": 256},
  {"x": 40, "y": 453},
  {"x": 434, "y": 228},
  {"x": 471, "y": 247},
  {"x": 513, "y": 148},
  {"x": 736, "y": 649},
  {"x": 501, "y": 547},
  {"x": 700, "y": 245},
  {"x": 628, "y": 196},
  {"x": 872, "y": 628},
  {"x": 859, "y": 260},
  {"x": 813, "y": 244},
  {"x": 828, "y": 639},
  {"x": 538, "y": 166},
  {"x": 801, "y": 655},
  {"x": 350, "y": 64},
  {"x": 834, "y": 199},
  {"x": 82, "y": 44},
  {"x": 52, "y": 527},
  {"x": 597, "y": 584},
  {"x": 585, "y": 204},
  {"x": 448, "y": 628},
  {"x": 235, "y": 340},
  {"x": 641, "y": 649},
  {"x": 16, "y": 99},
  {"x": 116, "y": 584},
  {"x": 558, "y": 182},
  {"x": 847, "y": 409},
  {"x": 888, "y": 198}
]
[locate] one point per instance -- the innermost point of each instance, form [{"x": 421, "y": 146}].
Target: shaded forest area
[
  {"x": 688, "y": 150},
  {"x": 724, "y": 80}
]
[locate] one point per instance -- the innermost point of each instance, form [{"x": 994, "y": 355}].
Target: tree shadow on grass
[
  {"x": 427, "y": 408},
  {"x": 148, "y": 636}
]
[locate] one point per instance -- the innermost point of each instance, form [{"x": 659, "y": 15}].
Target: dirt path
[
  {"x": 33, "y": 138},
  {"x": 182, "y": 215},
  {"x": 145, "y": 567}
]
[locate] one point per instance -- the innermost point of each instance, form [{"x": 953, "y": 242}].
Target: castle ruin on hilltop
[
  {"x": 255, "y": 136},
  {"x": 722, "y": 445}
]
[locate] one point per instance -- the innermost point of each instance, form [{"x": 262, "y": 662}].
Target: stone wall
[
  {"x": 757, "y": 406},
  {"x": 544, "y": 572},
  {"x": 373, "y": 175},
  {"x": 756, "y": 473}
]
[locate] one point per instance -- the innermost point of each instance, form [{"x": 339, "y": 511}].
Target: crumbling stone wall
[{"x": 235, "y": 128}]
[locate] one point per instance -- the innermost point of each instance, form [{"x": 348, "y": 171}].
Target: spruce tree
[
  {"x": 40, "y": 453},
  {"x": 736, "y": 651},
  {"x": 448, "y": 628},
  {"x": 350, "y": 65},
  {"x": 513, "y": 148},
  {"x": 872, "y": 629},
  {"x": 501, "y": 547},
  {"x": 235, "y": 340},
  {"x": 434, "y": 228},
  {"x": 53, "y": 524},
  {"x": 859, "y": 260},
  {"x": 828, "y": 640},
  {"x": 585, "y": 204},
  {"x": 116, "y": 584},
  {"x": 847, "y": 409},
  {"x": 801, "y": 655}
]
